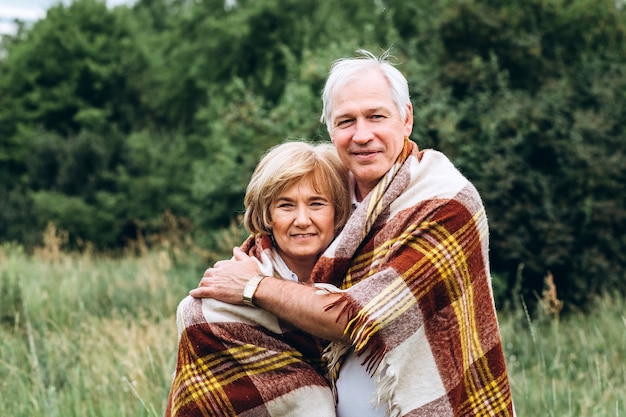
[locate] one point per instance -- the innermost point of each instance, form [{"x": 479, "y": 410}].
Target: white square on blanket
[{"x": 413, "y": 367}]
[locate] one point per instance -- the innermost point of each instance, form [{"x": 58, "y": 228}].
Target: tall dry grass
[
  {"x": 573, "y": 366},
  {"x": 87, "y": 335}
]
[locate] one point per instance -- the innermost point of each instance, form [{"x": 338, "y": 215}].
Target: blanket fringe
[
  {"x": 386, "y": 383},
  {"x": 348, "y": 308},
  {"x": 361, "y": 342},
  {"x": 385, "y": 377}
]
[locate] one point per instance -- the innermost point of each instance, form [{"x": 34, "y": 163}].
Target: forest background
[
  {"x": 114, "y": 121},
  {"x": 128, "y": 136}
]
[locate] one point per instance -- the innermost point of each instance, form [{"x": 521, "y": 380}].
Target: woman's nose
[{"x": 302, "y": 216}]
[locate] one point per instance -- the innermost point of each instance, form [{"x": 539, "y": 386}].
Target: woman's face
[{"x": 303, "y": 223}]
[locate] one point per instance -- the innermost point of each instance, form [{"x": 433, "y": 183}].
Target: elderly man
[{"x": 412, "y": 324}]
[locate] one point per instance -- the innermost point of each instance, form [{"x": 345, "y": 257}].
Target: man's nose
[{"x": 362, "y": 131}]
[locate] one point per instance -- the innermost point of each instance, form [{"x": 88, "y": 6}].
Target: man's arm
[{"x": 301, "y": 305}]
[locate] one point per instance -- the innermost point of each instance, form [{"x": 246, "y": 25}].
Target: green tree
[
  {"x": 110, "y": 118},
  {"x": 528, "y": 105},
  {"x": 70, "y": 73}
]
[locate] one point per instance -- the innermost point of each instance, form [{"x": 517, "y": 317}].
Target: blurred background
[
  {"x": 129, "y": 131},
  {"x": 122, "y": 121}
]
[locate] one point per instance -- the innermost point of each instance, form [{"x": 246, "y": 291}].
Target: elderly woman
[{"x": 239, "y": 360}]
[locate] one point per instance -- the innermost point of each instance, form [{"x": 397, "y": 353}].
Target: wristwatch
[{"x": 250, "y": 289}]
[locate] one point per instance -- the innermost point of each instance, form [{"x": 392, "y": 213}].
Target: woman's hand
[{"x": 227, "y": 279}]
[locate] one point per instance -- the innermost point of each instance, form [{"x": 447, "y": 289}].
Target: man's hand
[
  {"x": 304, "y": 306},
  {"x": 227, "y": 279}
]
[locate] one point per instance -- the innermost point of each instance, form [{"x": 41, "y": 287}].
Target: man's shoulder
[
  {"x": 431, "y": 154},
  {"x": 433, "y": 165},
  {"x": 433, "y": 179}
]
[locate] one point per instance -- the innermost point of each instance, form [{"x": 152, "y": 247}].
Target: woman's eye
[{"x": 319, "y": 204}]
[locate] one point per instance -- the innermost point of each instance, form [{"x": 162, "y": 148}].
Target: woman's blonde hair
[{"x": 290, "y": 162}]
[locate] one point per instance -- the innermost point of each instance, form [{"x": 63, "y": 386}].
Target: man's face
[{"x": 367, "y": 129}]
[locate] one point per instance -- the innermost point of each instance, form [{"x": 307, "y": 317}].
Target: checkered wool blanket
[
  {"x": 418, "y": 294},
  {"x": 243, "y": 361}
]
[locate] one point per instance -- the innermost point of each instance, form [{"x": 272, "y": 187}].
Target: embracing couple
[{"x": 364, "y": 287}]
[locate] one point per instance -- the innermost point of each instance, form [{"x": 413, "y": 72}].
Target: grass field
[{"x": 83, "y": 335}]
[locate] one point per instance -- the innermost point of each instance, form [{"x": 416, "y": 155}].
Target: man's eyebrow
[
  {"x": 378, "y": 109},
  {"x": 342, "y": 116}
]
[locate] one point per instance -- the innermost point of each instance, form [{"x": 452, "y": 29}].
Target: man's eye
[{"x": 344, "y": 122}]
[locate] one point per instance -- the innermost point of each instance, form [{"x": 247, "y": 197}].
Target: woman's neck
[
  {"x": 303, "y": 273},
  {"x": 301, "y": 267}
]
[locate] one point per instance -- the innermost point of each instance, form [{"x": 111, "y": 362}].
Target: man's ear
[{"x": 408, "y": 121}]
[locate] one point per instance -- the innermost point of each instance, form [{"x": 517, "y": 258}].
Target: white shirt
[
  {"x": 355, "y": 386},
  {"x": 355, "y": 389},
  {"x": 279, "y": 260}
]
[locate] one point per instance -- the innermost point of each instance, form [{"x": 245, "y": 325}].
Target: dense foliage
[{"x": 114, "y": 121}]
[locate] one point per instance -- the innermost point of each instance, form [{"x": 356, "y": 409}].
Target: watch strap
[{"x": 250, "y": 289}]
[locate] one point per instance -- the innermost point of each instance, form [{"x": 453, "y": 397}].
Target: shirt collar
[{"x": 292, "y": 276}]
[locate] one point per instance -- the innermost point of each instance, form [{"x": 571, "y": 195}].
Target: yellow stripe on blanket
[{"x": 253, "y": 360}]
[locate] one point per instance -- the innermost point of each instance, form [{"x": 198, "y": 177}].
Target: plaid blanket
[
  {"x": 243, "y": 361},
  {"x": 418, "y": 293}
]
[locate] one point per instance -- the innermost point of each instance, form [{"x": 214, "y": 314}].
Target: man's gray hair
[{"x": 345, "y": 70}]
